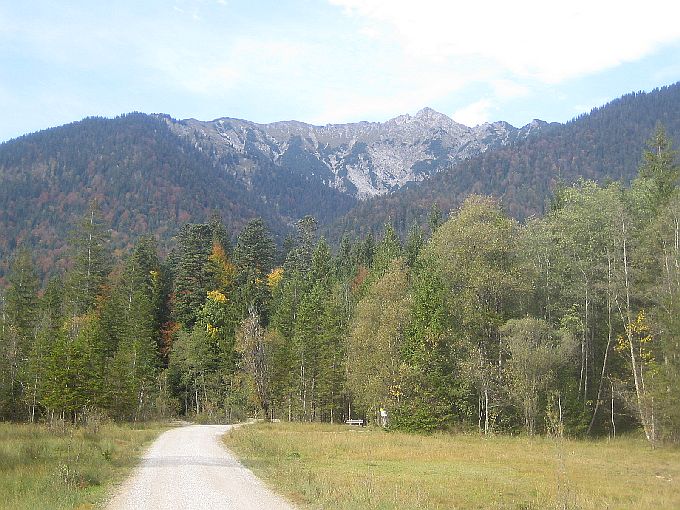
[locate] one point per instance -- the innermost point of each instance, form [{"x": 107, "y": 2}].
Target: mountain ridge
[
  {"x": 152, "y": 173},
  {"x": 363, "y": 159},
  {"x": 603, "y": 144}
]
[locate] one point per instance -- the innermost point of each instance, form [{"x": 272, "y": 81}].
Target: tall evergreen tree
[
  {"x": 193, "y": 278},
  {"x": 433, "y": 389},
  {"x": 254, "y": 259},
  {"x": 660, "y": 167},
  {"x": 387, "y": 250},
  {"x": 91, "y": 261},
  {"x": 19, "y": 324}
]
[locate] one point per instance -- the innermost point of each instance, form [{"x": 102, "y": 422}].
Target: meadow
[
  {"x": 341, "y": 467},
  {"x": 66, "y": 467}
]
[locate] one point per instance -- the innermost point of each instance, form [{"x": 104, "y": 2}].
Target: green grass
[
  {"x": 325, "y": 466},
  {"x": 73, "y": 468}
]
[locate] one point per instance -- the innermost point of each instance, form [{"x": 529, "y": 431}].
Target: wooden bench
[{"x": 355, "y": 422}]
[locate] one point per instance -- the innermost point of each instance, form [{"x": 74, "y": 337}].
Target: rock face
[{"x": 362, "y": 159}]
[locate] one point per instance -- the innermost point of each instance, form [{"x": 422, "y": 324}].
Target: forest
[
  {"x": 603, "y": 145},
  {"x": 567, "y": 323}
]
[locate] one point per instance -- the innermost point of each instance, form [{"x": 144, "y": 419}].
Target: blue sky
[{"x": 328, "y": 61}]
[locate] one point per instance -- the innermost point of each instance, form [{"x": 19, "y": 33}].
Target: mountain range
[
  {"x": 152, "y": 173},
  {"x": 362, "y": 159}
]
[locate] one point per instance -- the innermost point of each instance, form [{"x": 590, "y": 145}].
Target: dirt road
[{"x": 188, "y": 468}]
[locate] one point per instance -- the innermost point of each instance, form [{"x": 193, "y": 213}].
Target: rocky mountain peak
[
  {"x": 362, "y": 159},
  {"x": 434, "y": 117}
]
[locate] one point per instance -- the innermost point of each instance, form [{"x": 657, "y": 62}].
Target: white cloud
[
  {"x": 509, "y": 89},
  {"x": 407, "y": 90},
  {"x": 344, "y": 61},
  {"x": 548, "y": 41},
  {"x": 474, "y": 114}
]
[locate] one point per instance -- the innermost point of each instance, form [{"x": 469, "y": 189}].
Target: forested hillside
[
  {"x": 145, "y": 182},
  {"x": 603, "y": 145},
  {"x": 566, "y": 323},
  {"x": 150, "y": 177}
]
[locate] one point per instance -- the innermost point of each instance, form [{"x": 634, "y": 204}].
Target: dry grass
[
  {"x": 324, "y": 466},
  {"x": 73, "y": 468}
]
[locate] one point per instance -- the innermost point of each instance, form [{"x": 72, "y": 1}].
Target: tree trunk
[
  {"x": 35, "y": 398},
  {"x": 639, "y": 389},
  {"x": 612, "y": 409},
  {"x": 486, "y": 411},
  {"x": 598, "y": 401}
]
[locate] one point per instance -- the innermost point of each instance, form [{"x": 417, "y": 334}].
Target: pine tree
[
  {"x": 331, "y": 385},
  {"x": 19, "y": 324},
  {"x": 433, "y": 391},
  {"x": 414, "y": 243},
  {"x": 254, "y": 258},
  {"x": 344, "y": 260},
  {"x": 91, "y": 261},
  {"x": 76, "y": 369},
  {"x": 220, "y": 234},
  {"x": 387, "y": 250},
  {"x": 48, "y": 328},
  {"x": 193, "y": 277},
  {"x": 300, "y": 257},
  {"x": 133, "y": 334},
  {"x": 660, "y": 167}
]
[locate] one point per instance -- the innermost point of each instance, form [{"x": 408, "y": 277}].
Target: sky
[{"x": 328, "y": 61}]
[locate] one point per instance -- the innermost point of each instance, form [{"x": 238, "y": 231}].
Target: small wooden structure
[{"x": 355, "y": 422}]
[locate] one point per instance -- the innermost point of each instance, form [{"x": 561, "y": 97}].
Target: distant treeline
[{"x": 567, "y": 323}]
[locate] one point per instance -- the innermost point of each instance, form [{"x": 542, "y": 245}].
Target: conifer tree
[
  {"x": 254, "y": 259},
  {"x": 332, "y": 369},
  {"x": 387, "y": 250},
  {"x": 91, "y": 261},
  {"x": 307, "y": 345},
  {"x": 300, "y": 257},
  {"x": 344, "y": 260},
  {"x": 193, "y": 278},
  {"x": 433, "y": 389},
  {"x": 75, "y": 367},
  {"x": 660, "y": 167},
  {"x": 414, "y": 243},
  {"x": 132, "y": 372},
  {"x": 19, "y": 323}
]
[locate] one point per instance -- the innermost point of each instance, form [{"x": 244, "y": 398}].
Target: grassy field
[
  {"x": 324, "y": 466},
  {"x": 75, "y": 468}
]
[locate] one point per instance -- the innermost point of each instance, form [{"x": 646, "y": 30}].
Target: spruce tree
[
  {"x": 660, "y": 167},
  {"x": 91, "y": 261},
  {"x": 193, "y": 278},
  {"x": 254, "y": 259},
  {"x": 19, "y": 323}
]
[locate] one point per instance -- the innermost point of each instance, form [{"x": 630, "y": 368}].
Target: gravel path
[{"x": 188, "y": 468}]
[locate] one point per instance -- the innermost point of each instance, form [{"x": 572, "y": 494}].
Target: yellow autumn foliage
[
  {"x": 641, "y": 333},
  {"x": 217, "y": 296},
  {"x": 223, "y": 268},
  {"x": 275, "y": 277}
]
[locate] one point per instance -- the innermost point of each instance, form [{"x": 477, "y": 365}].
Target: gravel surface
[{"x": 189, "y": 468}]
